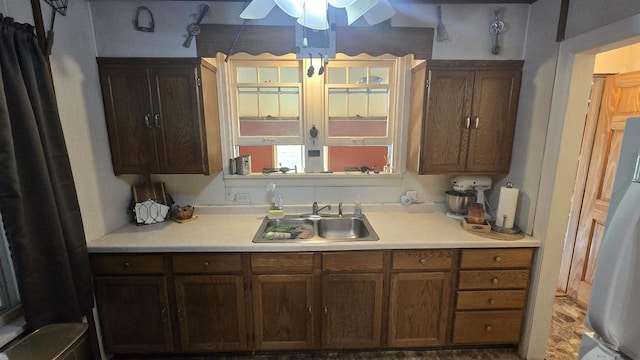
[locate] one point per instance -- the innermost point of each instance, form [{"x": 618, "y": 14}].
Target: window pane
[
  {"x": 290, "y": 156},
  {"x": 378, "y": 102},
  {"x": 357, "y": 75},
  {"x": 247, "y": 74},
  {"x": 289, "y": 75},
  {"x": 340, "y": 157},
  {"x": 337, "y": 75},
  {"x": 261, "y": 156},
  {"x": 269, "y": 104},
  {"x": 351, "y": 127},
  {"x": 337, "y": 102},
  {"x": 379, "y": 75},
  {"x": 249, "y": 101},
  {"x": 358, "y": 102},
  {"x": 268, "y": 74},
  {"x": 289, "y": 104}
]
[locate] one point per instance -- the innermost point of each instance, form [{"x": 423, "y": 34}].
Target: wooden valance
[{"x": 280, "y": 40}]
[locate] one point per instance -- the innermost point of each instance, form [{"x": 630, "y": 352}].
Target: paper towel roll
[{"x": 507, "y": 207}]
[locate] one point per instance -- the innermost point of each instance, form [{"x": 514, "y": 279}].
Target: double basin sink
[{"x": 301, "y": 228}]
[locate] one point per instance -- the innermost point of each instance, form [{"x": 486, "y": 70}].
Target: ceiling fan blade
[
  {"x": 358, "y": 8},
  {"x": 292, "y": 8},
  {"x": 315, "y": 15},
  {"x": 257, "y": 9},
  {"x": 341, "y": 3},
  {"x": 379, "y": 12},
  {"x": 203, "y": 11}
]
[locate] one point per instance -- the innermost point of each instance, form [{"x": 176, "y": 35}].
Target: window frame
[{"x": 402, "y": 77}]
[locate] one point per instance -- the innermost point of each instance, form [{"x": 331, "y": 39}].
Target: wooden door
[
  {"x": 418, "y": 309},
  {"x": 493, "y": 117},
  {"x": 446, "y": 133},
  {"x": 134, "y": 314},
  {"x": 211, "y": 312},
  {"x": 619, "y": 102},
  {"x": 127, "y": 103},
  {"x": 283, "y": 311},
  {"x": 177, "y": 118},
  {"x": 352, "y": 310}
]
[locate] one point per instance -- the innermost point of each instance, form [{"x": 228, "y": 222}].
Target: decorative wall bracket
[{"x": 151, "y": 24}]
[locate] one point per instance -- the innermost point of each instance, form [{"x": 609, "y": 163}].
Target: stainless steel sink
[{"x": 296, "y": 229}]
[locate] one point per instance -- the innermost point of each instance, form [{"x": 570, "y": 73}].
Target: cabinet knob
[
  {"x": 467, "y": 122},
  {"x": 497, "y": 259},
  {"x": 492, "y": 301},
  {"x": 147, "y": 121},
  {"x": 488, "y": 328},
  {"x": 477, "y": 122},
  {"x": 325, "y": 310},
  {"x": 423, "y": 261},
  {"x": 180, "y": 317},
  {"x": 164, "y": 315},
  {"x": 126, "y": 265},
  {"x": 156, "y": 120},
  {"x": 206, "y": 263},
  {"x": 494, "y": 280},
  {"x": 310, "y": 310}
]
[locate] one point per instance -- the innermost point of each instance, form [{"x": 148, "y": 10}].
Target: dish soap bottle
[{"x": 357, "y": 210}]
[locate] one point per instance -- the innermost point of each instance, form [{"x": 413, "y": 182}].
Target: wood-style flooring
[{"x": 567, "y": 327}]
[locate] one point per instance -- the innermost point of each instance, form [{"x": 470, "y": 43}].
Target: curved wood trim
[{"x": 280, "y": 40}]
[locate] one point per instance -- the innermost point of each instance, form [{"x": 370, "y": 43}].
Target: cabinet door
[
  {"x": 352, "y": 310},
  {"x": 494, "y": 110},
  {"x": 419, "y": 307},
  {"x": 133, "y": 313},
  {"x": 447, "y": 121},
  {"x": 127, "y": 102},
  {"x": 211, "y": 312},
  {"x": 178, "y": 122},
  {"x": 283, "y": 311}
]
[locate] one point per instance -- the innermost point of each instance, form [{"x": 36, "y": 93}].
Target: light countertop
[{"x": 234, "y": 232}]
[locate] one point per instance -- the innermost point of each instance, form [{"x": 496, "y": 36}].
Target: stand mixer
[{"x": 462, "y": 185}]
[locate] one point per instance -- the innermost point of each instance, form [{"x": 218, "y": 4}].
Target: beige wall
[{"x": 622, "y": 60}]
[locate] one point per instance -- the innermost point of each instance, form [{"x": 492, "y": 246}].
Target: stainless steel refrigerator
[{"x": 614, "y": 308}]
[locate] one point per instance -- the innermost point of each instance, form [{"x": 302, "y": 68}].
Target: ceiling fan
[{"x": 313, "y": 13}]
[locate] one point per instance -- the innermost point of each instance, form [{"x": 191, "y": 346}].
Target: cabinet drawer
[
  {"x": 122, "y": 264},
  {"x": 496, "y": 258},
  {"x": 489, "y": 300},
  {"x": 352, "y": 261},
  {"x": 487, "y": 327},
  {"x": 493, "y": 279},
  {"x": 207, "y": 263},
  {"x": 282, "y": 263},
  {"x": 422, "y": 260}
]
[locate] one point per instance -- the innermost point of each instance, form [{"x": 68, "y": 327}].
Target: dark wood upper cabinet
[
  {"x": 162, "y": 115},
  {"x": 462, "y": 116}
]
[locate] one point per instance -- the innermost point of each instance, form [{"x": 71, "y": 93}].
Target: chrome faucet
[
  {"x": 340, "y": 209},
  {"x": 315, "y": 210}
]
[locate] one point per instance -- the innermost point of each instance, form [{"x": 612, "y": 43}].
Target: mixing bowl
[{"x": 460, "y": 202}]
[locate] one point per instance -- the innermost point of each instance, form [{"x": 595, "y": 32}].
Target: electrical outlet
[
  {"x": 413, "y": 195},
  {"x": 228, "y": 195},
  {"x": 243, "y": 198}
]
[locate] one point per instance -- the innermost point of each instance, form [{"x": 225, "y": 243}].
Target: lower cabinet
[
  {"x": 419, "y": 297},
  {"x": 227, "y": 302},
  {"x": 134, "y": 314}
]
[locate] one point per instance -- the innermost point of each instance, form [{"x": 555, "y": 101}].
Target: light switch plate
[{"x": 412, "y": 194}]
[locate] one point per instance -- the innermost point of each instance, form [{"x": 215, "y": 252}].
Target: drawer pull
[
  {"x": 497, "y": 259},
  {"x": 494, "y": 280},
  {"x": 492, "y": 302},
  {"x": 310, "y": 309},
  {"x": 126, "y": 265},
  {"x": 206, "y": 263},
  {"x": 423, "y": 261},
  {"x": 164, "y": 315},
  {"x": 326, "y": 311},
  {"x": 488, "y": 328},
  {"x": 180, "y": 317}
]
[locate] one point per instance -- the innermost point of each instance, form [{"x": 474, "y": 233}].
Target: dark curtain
[{"x": 38, "y": 199}]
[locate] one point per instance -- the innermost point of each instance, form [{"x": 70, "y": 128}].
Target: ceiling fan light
[
  {"x": 341, "y": 3},
  {"x": 358, "y": 8},
  {"x": 315, "y": 15},
  {"x": 379, "y": 12},
  {"x": 292, "y": 8},
  {"x": 257, "y": 9}
]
